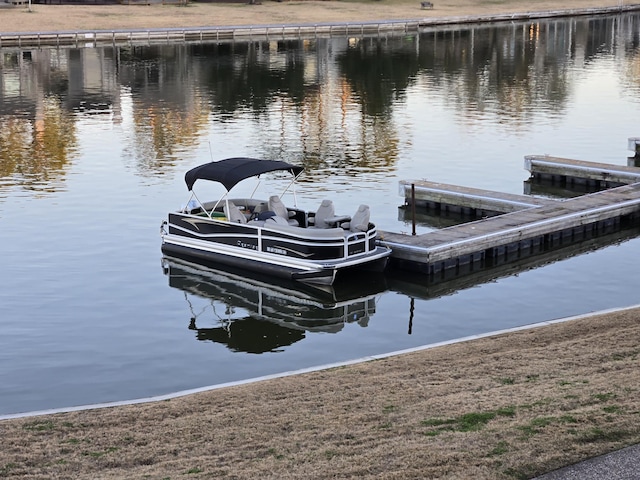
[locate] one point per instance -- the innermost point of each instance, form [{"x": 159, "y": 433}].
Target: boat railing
[
  {"x": 338, "y": 233},
  {"x": 352, "y": 237}
]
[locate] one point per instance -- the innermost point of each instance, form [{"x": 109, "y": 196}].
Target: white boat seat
[
  {"x": 324, "y": 212},
  {"x": 360, "y": 220},
  {"x": 305, "y": 233},
  {"x": 233, "y": 213},
  {"x": 276, "y": 206},
  {"x": 259, "y": 208},
  {"x": 277, "y": 220}
]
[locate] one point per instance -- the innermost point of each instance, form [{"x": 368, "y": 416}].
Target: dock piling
[{"x": 413, "y": 209}]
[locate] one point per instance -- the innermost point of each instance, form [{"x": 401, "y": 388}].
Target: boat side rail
[
  {"x": 355, "y": 236},
  {"x": 337, "y": 233},
  {"x": 366, "y": 237}
]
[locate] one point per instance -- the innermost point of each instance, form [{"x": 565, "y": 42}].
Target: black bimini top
[{"x": 233, "y": 170}]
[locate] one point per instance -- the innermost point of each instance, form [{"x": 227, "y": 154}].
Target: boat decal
[
  {"x": 280, "y": 250},
  {"x": 243, "y": 244},
  {"x": 195, "y": 221}
]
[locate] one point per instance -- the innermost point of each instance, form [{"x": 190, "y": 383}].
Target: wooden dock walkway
[
  {"x": 532, "y": 226},
  {"x": 574, "y": 171},
  {"x": 481, "y": 203}
]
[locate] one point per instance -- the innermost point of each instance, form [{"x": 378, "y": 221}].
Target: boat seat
[
  {"x": 360, "y": 220},
  {"x": 259, "y": 208},
  {"x": 276, "y": 206},
  {"x": 233, "y": 213},
  {"x": 324, "y": 212},
  {"x": 277, "y": 220},
  {"x": 280, "y": 225}
]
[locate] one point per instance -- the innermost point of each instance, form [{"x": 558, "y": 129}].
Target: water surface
[{"x": 95, "y": 142}]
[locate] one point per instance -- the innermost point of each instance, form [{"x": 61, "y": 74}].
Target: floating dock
[
  {"x": 465, "y": 200},
  {"x": 516, "y": 226},
  {"x": 566, "y": 170}
]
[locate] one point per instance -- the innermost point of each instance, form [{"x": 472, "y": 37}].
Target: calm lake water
[{"x": 94, "y": 143}]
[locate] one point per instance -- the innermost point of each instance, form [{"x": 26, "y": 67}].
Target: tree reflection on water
[{"x": 330, "y": 101}]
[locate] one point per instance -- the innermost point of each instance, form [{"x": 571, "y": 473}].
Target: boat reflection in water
[{"x": 256, "y": 315}]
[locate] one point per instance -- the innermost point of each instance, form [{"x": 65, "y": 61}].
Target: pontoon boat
[{"x": 266, "y": 236}]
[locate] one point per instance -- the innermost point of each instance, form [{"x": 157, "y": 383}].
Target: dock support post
[
  {"x": 634, "y": 145},
  {"x": 412, "y": 309},
  {"x": 413, "y": 209}
]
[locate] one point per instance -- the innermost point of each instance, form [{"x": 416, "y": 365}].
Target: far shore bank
[
  {"x": 47, "y": 18},
  {"x": 222, "y": 32}
]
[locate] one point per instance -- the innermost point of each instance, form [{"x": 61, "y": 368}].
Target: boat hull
[{"x": 305, "y": 254}]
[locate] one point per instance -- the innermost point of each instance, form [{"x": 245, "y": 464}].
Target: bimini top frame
[{"x": 230, "y": 171}]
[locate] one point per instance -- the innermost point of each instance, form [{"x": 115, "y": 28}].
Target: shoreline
[
  {"x": 515, "y": 405},
  {"x": 319, "y": 368}
]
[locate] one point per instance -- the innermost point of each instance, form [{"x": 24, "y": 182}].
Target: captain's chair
[
  {"x": 233, "y": 213},
  {"x": 325, "y": 211},
  {"x": 360, "y": 220},
  {"x": 276, "y": 206}
]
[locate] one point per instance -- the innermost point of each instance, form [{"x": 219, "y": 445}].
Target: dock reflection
[
  {"x": 254, "y": 314},
  {"x": 426, "y": 287}
]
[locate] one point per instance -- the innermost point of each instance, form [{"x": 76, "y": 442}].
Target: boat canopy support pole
[
  {"x": 293, "y": 182},
  {"x": 255, "y": 188},
  {"x": 209, "y": 214}
]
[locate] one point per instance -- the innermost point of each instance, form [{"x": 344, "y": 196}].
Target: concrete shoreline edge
[
  {"x": 509, "y": 17},
  {"x": 329, "y": 366},
  {"x": 248, "y": 32}
]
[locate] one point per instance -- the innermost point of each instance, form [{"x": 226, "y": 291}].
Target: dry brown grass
[
  {"x": 46, "y": 18},
  {"x": 509, "y": 406}
]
